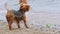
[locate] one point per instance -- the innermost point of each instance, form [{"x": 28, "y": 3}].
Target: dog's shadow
[{"x": 15, "y": 29}]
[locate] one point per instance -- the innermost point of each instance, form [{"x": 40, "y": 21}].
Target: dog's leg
[
  {"x": 24, "y": 20},
  {"x": 18, "y": 23},
  {"x": 9, "y": 22}
]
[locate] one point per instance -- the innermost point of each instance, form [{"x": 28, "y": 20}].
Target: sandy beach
[{"x": 36, "y": 22}]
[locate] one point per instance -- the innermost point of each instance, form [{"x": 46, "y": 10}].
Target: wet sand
[{"x": 36, "y": 23}]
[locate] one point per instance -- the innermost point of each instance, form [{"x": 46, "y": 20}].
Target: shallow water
[
  {"x": 39, "y": 5},
  {"x": 41, "y": 11}
]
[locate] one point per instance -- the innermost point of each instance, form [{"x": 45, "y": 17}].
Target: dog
[{"x": 13, "y": 15}]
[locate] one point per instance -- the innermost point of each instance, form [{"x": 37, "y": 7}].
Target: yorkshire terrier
[{"x": 13, "y": 15}]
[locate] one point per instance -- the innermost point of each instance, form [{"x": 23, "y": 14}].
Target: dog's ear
[
  {"x": 22, "y": 1},
  {"x": 27, "y": 8}
]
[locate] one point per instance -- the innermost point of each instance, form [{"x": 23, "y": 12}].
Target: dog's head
[
  {"x": 22, "y": 1},
  {"x": 25, "y": 7}
]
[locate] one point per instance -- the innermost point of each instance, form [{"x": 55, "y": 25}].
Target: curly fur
[{"x": 13, "y": 15}]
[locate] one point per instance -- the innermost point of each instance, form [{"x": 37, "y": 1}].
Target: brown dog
[{"x": 13, "y": 15}]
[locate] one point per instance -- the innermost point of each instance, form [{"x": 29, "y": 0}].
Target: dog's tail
[{"x": 6, "y": 6}]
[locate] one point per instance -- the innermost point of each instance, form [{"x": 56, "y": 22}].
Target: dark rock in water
[
  {"x": 59, "y": 25},
  {"x": 41, "y": 29},
  {"x": 55, "y": 25},
  {"x": 53, "y": 31},
  {"x": 58, "y": 31}
]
